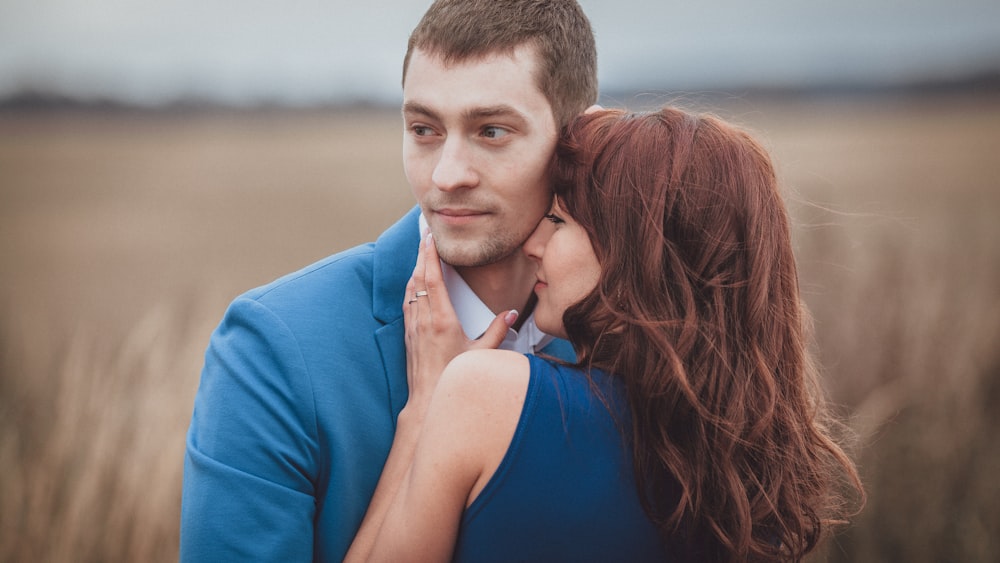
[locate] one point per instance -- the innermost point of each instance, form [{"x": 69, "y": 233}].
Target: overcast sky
[{"x": 303, "y": 51}]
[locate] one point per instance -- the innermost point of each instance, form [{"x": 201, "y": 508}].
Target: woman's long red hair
[{"x": 698, "y": 311}]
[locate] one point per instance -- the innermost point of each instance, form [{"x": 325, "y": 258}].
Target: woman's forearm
[{"x": 396, "y": 468}]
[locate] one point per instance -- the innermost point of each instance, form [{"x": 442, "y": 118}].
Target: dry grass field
[{"x": 123, "y": 235}]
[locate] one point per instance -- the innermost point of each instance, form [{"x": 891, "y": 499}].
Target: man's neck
[{"x": 504, "y": 285}]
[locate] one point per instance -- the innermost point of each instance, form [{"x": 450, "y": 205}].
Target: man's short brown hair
[{"x": 459, "y": 30}]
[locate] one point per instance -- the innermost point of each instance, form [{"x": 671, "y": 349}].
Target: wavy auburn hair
[{"x": 697, "y": 310}]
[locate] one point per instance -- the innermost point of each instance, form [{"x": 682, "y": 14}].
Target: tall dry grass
[
  {"x": 900, "y": 261},
  {"x": 93, "y": 428},
  {"x": 123, "y": 237}
]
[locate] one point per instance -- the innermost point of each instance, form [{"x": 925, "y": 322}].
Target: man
[{"x": 304, "y": 377}]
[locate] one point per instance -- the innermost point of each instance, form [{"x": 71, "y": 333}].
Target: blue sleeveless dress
[{"x": 565, "y": 490}]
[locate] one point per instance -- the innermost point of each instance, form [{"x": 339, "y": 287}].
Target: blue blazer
[{"x": 296, "y": 409}]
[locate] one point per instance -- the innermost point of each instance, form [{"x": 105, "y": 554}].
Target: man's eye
[
  {"x": 421, "y": 130},
  {"x": 493, "y": 132}
]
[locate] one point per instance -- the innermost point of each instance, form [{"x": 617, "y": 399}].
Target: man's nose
[{"x": 454, "y": 169}]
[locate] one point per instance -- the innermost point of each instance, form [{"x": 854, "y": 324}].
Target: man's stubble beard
[{"x": 493, "y": 249}]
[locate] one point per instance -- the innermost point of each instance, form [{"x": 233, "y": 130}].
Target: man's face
[{"x": 476, "y": 147}]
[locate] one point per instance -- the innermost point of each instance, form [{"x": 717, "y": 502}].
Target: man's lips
[
  {"x": 539, "y": 284},
  {"x": 459, "y": 216}
]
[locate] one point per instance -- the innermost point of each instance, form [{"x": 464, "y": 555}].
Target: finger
[
  {"x": 411, "y": 331},
  {"x": 410, "y": 311},
  {"x": 440, "y": 303},
  {"x": 418, "y": 270},
  {"x": 411, "y": 284},
  {"x": 433, "y": 276},
  {"x": 497, "y": 331},
  {"x": 410, "y": 290}
]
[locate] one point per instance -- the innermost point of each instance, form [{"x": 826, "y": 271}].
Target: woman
[{"x": 692, "y": 426}]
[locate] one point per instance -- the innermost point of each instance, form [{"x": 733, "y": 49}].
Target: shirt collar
[{"x": 475, "y": 317}]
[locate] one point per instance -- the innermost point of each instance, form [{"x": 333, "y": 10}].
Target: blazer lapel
[
  {"x": 395, "y": 256},
  {"x": 390, "y": 340}
]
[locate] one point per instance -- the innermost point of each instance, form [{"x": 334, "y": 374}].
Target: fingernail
[{"x": 511, "y": 317}]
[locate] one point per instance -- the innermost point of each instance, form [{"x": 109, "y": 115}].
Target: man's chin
[{"x": 470, "y": 254}]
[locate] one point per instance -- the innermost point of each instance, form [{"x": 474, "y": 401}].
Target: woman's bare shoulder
[
  {"x": 479, "y": 371},
  {"x": 481, "y": 395},
  {"x": 489, "y": 363},
  {"x": 496, "y": 378}
]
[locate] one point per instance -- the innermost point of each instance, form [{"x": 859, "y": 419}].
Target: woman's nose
[{"x": 534, "y": 247}]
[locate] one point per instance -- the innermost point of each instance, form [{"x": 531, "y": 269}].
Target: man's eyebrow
[
  {"x": 473, "y": 114},
  {"x": 416, "y": 108},
  {"x": 488, "y": 112}
]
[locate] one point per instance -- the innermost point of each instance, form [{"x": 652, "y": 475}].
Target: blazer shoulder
[
  {"x": 355, "y": 284},
  {"x": 353, "y": 264}
]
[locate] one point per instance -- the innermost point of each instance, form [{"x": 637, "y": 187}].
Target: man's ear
[{"x": 592, "y": 109}]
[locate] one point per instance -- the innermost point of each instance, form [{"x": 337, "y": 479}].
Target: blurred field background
[{"x": 124, "y": 234}]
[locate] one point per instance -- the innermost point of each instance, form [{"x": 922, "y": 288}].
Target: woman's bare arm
[
  {"x": 436, "y": 455},
  {"x": 428, "y": 481}
]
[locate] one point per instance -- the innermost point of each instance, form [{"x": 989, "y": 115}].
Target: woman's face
[{"x": 567, "y": 268}]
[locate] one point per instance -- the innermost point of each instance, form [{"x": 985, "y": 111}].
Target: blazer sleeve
[{"x": 252, "y": 451}]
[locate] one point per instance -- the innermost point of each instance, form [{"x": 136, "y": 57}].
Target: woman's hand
[{"x": 433, "y": 333}]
